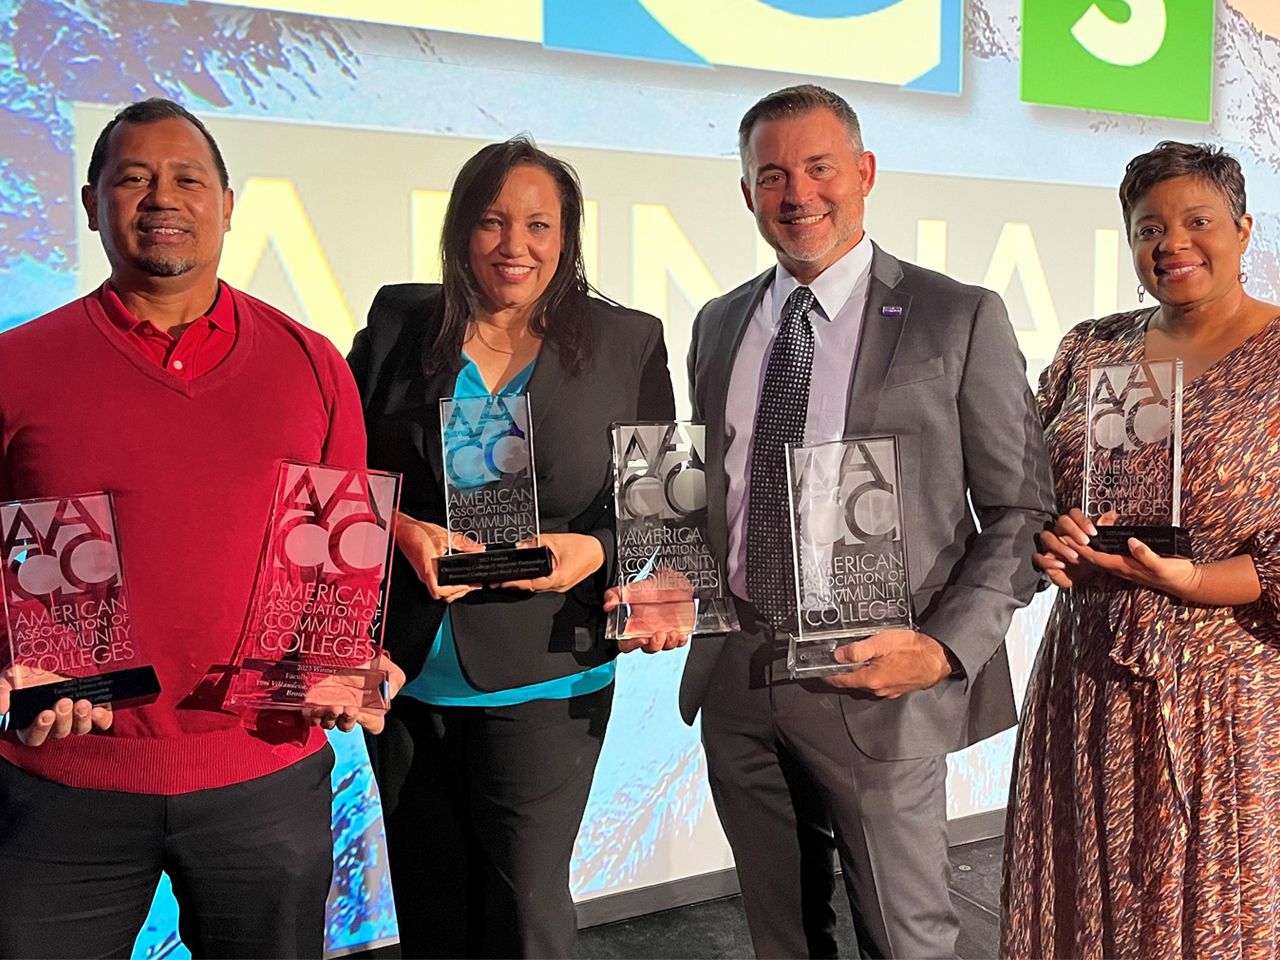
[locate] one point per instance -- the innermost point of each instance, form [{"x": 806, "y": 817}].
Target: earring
[
  {"x": 1142, "y": 293},
  {"x": 1244, "y": 277}
]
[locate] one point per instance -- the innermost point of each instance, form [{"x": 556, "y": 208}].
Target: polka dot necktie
[{"x": 780, "y": 419}]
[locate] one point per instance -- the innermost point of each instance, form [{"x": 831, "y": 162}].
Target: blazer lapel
[
  {"x": 548, "y": 376},
  {"x": 882, "y": 325},
  {"x": 737, "y": 313},
  {"x": 721, "y": 348},
  {"x": 438, "y": 384}
]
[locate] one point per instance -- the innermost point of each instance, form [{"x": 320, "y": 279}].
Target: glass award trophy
[
  {"x": 849, "y": 546},
  {"x": 1133, "y": 456},
  {"x": 668, "y": 578},
  {"x": 68, "y": 623},
  {"x": 313, "y": 633},
  {"x": 491, "y": 494}
]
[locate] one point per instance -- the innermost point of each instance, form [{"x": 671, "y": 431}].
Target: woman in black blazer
[{"x": 489, "y": 750}]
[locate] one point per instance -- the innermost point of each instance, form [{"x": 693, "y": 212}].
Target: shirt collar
[
  {"x": 221, "y": 315},
  {"x": 832, "y": 288}
]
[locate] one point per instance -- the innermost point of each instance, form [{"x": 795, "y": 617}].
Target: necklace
[{"x": 475, "y": 332}]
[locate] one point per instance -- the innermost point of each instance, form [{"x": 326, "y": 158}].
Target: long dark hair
[{"x": 560, "y": 314}]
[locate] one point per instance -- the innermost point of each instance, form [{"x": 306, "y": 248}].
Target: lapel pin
[{"x": 892, "y": 311}]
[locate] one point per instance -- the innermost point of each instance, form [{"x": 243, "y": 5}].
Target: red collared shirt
[{"x": 202, "y": 345}]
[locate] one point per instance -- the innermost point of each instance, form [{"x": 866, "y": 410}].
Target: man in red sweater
[{"x": 180, "y": 396}]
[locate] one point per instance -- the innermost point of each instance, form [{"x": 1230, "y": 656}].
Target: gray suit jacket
[{"x": 943, "y": 373}]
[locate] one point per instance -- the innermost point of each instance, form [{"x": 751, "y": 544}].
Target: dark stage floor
[{"x": 718, "y": 928}]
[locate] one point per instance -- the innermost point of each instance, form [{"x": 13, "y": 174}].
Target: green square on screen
[{"x": 1148, "y": 57}]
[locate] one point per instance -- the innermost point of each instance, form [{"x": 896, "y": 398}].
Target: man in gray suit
[{"x": 841, "y": 339}]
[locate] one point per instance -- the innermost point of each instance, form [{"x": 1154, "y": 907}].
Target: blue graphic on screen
[
  {"x": 946, "y": 76},
  {"x": 54, "y": 53},
  {"x": 624, "y": 29},
  {"x": 640, "y": 798},
  {"x": 847, "y": 39},
  {"x": 830, "y": 8}
]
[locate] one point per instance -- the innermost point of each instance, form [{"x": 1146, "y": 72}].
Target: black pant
[
  {"x": 250, "y": 864},
  {"x": 482, "y": 808}
]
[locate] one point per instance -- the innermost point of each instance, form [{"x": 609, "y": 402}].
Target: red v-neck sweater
[{"x": 192, "y": 466}]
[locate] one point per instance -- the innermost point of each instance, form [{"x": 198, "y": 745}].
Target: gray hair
[{"x": 795, "y": 102}]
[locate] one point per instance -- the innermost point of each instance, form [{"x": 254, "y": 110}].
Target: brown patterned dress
[{"x": 1144, "y": 816}]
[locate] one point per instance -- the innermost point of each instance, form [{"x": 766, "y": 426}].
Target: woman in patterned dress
[{"x": 1144, "y": 817}]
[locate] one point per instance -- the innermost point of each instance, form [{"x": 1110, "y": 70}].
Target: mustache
[
  {"x": 801, "y": 212},
  {"x": 151, "y": 222}
]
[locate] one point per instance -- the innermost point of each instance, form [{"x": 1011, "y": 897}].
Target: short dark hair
[
  {"x": 794, "y": 102},
  {"x": 150, "y": 111},
  {"x": 1171, "y": 159},
  {"x": 561, "y": 312}
]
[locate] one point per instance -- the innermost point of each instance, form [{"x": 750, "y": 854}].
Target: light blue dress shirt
[{"x": 840, "y": 299}]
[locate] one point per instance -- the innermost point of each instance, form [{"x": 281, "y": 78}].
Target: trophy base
[
  {"x": 816, "y": 658},
  {"x": 291, "y": 685},
  {"x": 1167, "y": 541},
  {"x": 691, "y": 617},
  {"x": 494, "y": 566},
  {"x": 121, "y": 688}
]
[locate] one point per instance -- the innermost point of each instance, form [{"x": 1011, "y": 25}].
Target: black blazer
[{"x": 508, "y": 638}]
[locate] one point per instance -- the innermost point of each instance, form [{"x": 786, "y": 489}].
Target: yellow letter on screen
[
  {"x": 1016, "y": 253},
  {"x": 661, "y": 255},
  {"x": 269, "y": 211}
]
